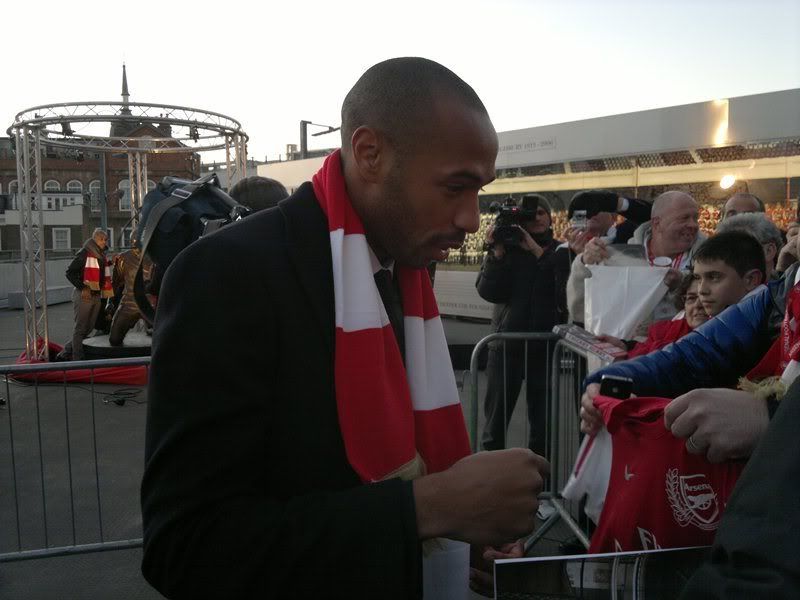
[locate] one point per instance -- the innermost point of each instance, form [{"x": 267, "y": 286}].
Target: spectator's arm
[
  {"x": 576, "y": 290},
  {"x": 496, "y": 278},
  {"x": 715, "y": 354}
]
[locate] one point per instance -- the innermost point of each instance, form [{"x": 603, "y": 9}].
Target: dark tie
[{"x": 393, "y": 305}]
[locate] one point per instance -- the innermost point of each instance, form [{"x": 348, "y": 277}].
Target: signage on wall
[{"x": 533, "y": 145}]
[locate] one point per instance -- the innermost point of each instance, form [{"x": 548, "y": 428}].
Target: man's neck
[{"x": 660, "y": 247}]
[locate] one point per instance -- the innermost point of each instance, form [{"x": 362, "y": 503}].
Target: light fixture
[{"x": 727, "y": 181}]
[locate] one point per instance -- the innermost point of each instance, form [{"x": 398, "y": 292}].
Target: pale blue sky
[{"x": 271, "y": 64}]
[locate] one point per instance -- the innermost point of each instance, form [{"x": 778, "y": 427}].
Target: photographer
[{"x": 519, "y": 275}]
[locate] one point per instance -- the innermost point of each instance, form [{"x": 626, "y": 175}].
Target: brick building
[{"x": 72, "y": 187}]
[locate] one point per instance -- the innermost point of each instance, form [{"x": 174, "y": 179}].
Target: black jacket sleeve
[
  {"x": 75, "y": 269},
  {"x": 496, "y": 279},
  {"x": 240, "y": 496}
]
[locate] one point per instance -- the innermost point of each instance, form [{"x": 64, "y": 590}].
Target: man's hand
[
  {"x": 720, "y": 423},
  {"x": 595, "y": 252},
  {"x": 527, "y": 243},
  {"x": 610, "y": 339},
  {"x": 577, "y": 239},
  {"x": 498, "y": 249},
  {"x": 481, "y": 577},
  {"x": 591, "y": 417},
  {"x": 86, "y": 293},
  {"x": 487, "y": 498}
]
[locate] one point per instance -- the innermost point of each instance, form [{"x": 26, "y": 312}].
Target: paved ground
[{"x": 68, "y": 488}]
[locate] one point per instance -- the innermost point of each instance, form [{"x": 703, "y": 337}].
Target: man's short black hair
[
  {"x": 258, "y": 193},
  {"x": 737, "y": 249},
  {"x": 394, "y": 96}
]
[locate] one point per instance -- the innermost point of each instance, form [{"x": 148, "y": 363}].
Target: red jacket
[{"x": 660, "y": 334}]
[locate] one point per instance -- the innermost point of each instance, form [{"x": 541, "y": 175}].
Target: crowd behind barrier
[
  {"x": 695, "y": 261},
  {"x": 783, "y": 214}
]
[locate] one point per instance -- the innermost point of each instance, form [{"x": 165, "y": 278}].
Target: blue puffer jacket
[{"x": 715, "y": 354}]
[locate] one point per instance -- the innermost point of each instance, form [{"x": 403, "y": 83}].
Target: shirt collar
[{"x": 377, "y": 265}]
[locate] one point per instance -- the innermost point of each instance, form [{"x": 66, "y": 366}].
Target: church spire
[
  {"x": 125, "y": 93},
  {"x": 124, "y": 110}
]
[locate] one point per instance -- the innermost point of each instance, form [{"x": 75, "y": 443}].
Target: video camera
[{"x": 510, "y": 215}]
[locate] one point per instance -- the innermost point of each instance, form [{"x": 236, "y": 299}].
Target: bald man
[
  {"x": 672, "y": 236},
  {"x": 742, "y": 203},
  {"x": 282, "y": 459}
]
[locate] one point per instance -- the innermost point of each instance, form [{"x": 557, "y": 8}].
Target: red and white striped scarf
[
  {"x": 91, "y": 274},
  {"x": 388, "y": 413}
]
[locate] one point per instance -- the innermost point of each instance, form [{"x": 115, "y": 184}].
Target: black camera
[{"x": 510, "y": 215}]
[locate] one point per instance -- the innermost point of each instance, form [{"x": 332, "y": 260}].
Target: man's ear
[
  {"x": 753, "y": 278},
  {"x": 655, "y": 223},
  {"x": 368, "y": 149}
]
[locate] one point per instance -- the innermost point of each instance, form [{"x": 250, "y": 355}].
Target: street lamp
[{"x": 304, "y": 135}]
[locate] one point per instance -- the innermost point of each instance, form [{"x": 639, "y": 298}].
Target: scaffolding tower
[{"x": 74, "y": 126}]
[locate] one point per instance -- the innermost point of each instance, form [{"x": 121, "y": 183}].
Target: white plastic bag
[{"x": 619, "y": 299}]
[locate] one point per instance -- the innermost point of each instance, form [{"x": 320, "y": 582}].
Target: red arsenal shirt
[{"x": 658, "y": 495}]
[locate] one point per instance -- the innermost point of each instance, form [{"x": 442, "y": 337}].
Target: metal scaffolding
[{"x": 73, "y": 126}]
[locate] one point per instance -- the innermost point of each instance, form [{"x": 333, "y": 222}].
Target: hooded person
[{"x": 522, "y": 280}]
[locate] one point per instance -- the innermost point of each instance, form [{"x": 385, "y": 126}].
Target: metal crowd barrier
[
  {"x": 567, "y": 370},
  {"x": 71, "y": 461}
]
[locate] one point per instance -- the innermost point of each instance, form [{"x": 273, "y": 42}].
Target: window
[
  {"x": 125, "y": 237},
  {"x": 125, "y": 199},
  {"x": 61, "y": 238},
  {"x": 13, "y": 189},
  {"x": 110, "y": 231},
  {"x": 51, "y": 185},
  {"x": 125, "y": 186},
  {"x": 74, "y": 186},
  {"x": 94, "y": 193},
  {"x": 49, "y": 202}
]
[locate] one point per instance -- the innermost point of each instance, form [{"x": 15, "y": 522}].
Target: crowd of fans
[{"x": 721, "y": 348}]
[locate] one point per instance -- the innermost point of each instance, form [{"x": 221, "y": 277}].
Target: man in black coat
[
  {"x": 248, "y": 491},
  {"x": 522, "y": 280}
]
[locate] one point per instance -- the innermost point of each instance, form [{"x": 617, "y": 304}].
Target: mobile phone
[
  {"x": 616, "y": 387},
  {"x": 579, "y": 219}
]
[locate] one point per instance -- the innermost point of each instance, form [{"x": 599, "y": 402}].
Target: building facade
[{"x": 75, "y": 186}]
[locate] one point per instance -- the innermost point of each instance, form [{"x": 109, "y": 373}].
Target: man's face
[
  {"x": 540, "y": 223},
  {"x": 719, "y": 285},
  {"x": 678, "y": 225},
  {"x": 600, "y": 223},
  {"x": 696, "y": 315},
  {"x": 428, "y": 201},
  {"x": 101, "y": 241},
  {"x": 739, "y": 204}
]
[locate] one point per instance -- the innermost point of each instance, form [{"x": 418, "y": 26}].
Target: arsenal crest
[{"x": 693, "y": 500}]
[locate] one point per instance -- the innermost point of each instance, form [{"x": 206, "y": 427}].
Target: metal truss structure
[{"x": 191, "y": 131}]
